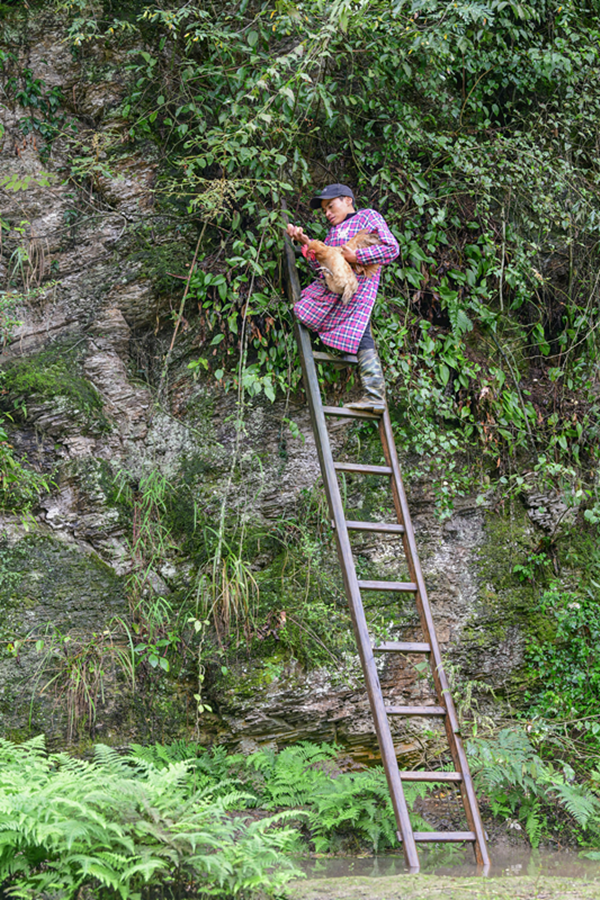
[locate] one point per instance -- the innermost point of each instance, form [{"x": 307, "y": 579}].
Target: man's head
[{"x": 336, "y": 201}]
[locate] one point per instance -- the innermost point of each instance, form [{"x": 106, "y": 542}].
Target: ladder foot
[{"x": 411, "y": 857}]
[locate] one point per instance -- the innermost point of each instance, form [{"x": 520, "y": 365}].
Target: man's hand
[
  {"x": 348, "y": 254},
  {"x": 297, "y": 234}
]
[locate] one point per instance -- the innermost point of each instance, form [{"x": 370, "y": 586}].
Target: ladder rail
[
  {"x": 443, "y": 691},
  {"x": 357, "y": 614}
]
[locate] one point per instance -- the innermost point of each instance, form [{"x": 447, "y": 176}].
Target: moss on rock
[
  {"x": 46, "y": 588},
  {"x": 51, "y": 375}
]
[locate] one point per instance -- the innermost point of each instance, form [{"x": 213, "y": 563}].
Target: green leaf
[{"x": 197, "y": 363}]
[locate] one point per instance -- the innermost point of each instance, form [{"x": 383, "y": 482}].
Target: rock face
[{"x": 140, "y": 487}]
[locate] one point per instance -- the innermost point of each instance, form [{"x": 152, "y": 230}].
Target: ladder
[{"x": 354, "y": 588}]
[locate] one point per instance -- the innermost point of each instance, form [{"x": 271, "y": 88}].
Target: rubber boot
[{"x": 372, "y": 380}]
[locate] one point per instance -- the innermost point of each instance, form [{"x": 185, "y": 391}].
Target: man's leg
[
  {"x": 314, "y": 306},
  {"x": 370, "y": 374}
]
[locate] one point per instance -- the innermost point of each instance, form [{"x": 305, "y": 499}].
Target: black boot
[{"x": 372, "y": 380}]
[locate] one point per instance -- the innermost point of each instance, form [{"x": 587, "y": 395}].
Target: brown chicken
[
  {"x": 339, "y": 275},
  {"x": 364, "y": 238}
]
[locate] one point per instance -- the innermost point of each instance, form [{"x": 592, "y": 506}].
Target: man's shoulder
[{"x": 368, "y": 213}]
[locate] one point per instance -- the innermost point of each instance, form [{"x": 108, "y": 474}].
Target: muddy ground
[{"x": 435, "y": 887}]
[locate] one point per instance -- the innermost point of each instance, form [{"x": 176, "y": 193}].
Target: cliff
[{"x": 168, "y": 567}]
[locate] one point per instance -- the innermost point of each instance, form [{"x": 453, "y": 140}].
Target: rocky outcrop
[{"x": 80, "y": 376}]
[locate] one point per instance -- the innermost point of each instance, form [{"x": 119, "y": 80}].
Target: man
[{"x": 347, "y": 327}]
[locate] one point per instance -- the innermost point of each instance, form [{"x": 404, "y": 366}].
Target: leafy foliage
[
  {"x": 215, "y": 769},
  {"x": 518, "y": 782},
  {"x": 173, "y": 815},
  {"x": 471, "y": 126},
  {"x": 119, "y": 826},
  {"x": 309, "y": 778},
  {"x": 566, "y": 661},
  {"x": 357, "y": 802}
]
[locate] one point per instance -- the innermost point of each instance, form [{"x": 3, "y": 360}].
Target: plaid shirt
[{"x": 339, "y": 326}]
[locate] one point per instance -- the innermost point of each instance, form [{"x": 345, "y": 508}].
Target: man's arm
[
  {"x": 384, "y": 252},
  {"x": 297, "y": 234}
]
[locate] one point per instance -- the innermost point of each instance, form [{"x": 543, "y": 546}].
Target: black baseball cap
[{"x": 329, "y": 192}]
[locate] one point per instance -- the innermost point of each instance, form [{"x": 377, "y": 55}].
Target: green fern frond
[
  {"x": 578, "y": 803},
  {"x": 111, "y": 760}
]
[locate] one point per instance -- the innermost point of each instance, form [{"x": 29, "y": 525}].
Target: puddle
[{"x": 506, "y": 862}]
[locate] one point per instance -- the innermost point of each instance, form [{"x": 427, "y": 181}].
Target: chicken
[
  {"x": 364, "y": 238},
  {"x": 339, "y": 275}
]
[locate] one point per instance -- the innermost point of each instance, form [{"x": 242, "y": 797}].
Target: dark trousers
[{"x": 366, "y": 341}]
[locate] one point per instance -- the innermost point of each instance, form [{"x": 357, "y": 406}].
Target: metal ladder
[{"x": 354, "y": 588}]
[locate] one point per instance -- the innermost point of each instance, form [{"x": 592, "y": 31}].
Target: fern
[
  {"x": 305, "y": 779},
  {"x": 120, "y": 823},
  {"x": 581, "y": 805},
  {"x": 308, "y": 776},
  {"x": 519, "y": 782},
  {"x": 175, "y": 815},
  {"x": 161, "y": 755},
  {"x": 291, "y": 776}
]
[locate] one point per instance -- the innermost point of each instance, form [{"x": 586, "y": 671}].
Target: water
[{"x": 506, "y": 862}]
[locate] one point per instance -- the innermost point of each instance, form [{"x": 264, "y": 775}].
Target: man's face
[{"x": 337, "y": 209}]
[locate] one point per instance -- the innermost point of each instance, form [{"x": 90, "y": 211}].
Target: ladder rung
[
  {"x": 402, "y": 647},
  {"x": 404, "y": 586},
  {"x": 348, "y": 359},
  {"x": 365, "y": 470},
  {"x": 383, "y": 527},
  {"x": 346, "y": 413},
  {"x": 415, "y": 710},
  {"x": 431, "y": 776},
  {"x": 444, "y": 836}
]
